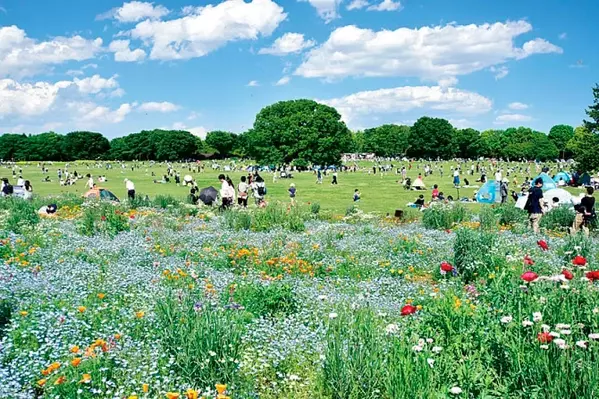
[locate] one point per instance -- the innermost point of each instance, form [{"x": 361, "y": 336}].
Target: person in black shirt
[
  {"x": 533, "y": 205},
  {"x": 585, "y": 213},
  {"x": 419, "y": 201}
]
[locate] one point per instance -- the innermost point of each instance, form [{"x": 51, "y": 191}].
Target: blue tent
[
  {"x": 548, "y": 183},
  {"x": 488, "y": 193},
  {"x": 565, "y": 176}
]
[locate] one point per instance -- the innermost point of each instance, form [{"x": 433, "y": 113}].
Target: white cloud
[
  {"x": 135, "y": 11},
  {"x": 117, "y": 93},
  {"x": 326, "y": 9},
  {"x": 198, "y": 131},
  {"x": 517, "y": 106},
  {"x": 402, "y": 99},
  {"x": 510, "y": 118},
  {"x": 95, "y": 84},
  {"x": 52, "y": 126},
  {"x": 563, "y": 36},
  {"x": 23, "y": 56},
  {"x": 287, "y": 44},
  {"x": 122, "y": 52},
  {"x": 28, "y": 99},
  {"x": 74, "y": 72},
  {"x": 448, "y": 82},
  {"x": 193, "y": 115},
  {"x": 253, "y": 83},
  {"x": 500, "y": 72},
  {"x": 92, "y": 66},
  {"x": 209, "y": 28},
  {"x": 426, "y": 52},
  {"x": 164, "y": 106},
  {"x": 357, "y": 4},
  {"x": 461, "y": 123},
  {"x": 283, "y": 81},
  {"x": 386, "y": 5},
  {"x": 92, "y": 114}
]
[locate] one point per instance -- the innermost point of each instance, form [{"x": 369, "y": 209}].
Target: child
[
  {"x": 419, "y": 201},
  {"x": 292, "y": 191},
  {"x": 356, "y": 195},
  {"x": 435, "y": 192}
]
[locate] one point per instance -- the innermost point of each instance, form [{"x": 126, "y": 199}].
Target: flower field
[{"x": 175, "y": 302}]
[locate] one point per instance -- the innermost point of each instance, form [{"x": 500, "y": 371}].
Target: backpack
[{"x": 262, "y": 190}]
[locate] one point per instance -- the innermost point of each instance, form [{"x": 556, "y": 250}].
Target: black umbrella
[{"x": 208, "y": 195}]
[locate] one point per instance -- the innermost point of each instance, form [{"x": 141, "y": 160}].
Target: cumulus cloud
[
  {"x": 208, "y": 28},
  {"x": 122, "y": 52},
  {"x": 517, "y": 106},
  {"x": 357, "y": 4},
  {"x": 164, "y": 106},
  {"x": 386, "y": 5},
  {"x": 95, "y": 84},
  {"x": 253, "y": 83},
  {"x": 283, "y": 81},
  {"x": 198, "y": 131},
  {"x": 511, "y": 118},
  {"x": 90, "y": 113},
  {"x": 22, "y": 56},
  {"x": 426, "y": 52},
  {"x": 406, "y": 98},
  {"x": 287, "y": 44},
  {"x": 499, "y": 72},
  {"x": 448, "y": 82},
  {"x": 135, "y": 11},
  {"x": 28, "y": 99},
  {"x": 326, "y": 9}
]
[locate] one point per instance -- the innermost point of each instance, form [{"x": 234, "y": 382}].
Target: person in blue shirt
[
  {"x": 356, "y": 195},
  {"x": 292, "y": 191}
]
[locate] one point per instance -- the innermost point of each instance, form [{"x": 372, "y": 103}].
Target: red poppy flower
[
  {"x": 529, "y": 276},
  {"x": 544, "y": 337},
  {"x": 448, "y": 231},
  {"x": 579, "y": 261},
  {"x": 592, "y": 275},
  {"x": 543, "y": 244},
  {"x": 567, "y": 274},
  {"x": 446, "y": 267},
  {"x": 528, "y": 261},
  {"x": 408, "y": 309},
  {"x": 132, "y": 217},
  {"x": 103, "y": 218}
]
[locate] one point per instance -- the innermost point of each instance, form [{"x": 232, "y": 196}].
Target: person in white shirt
[
  {"x": 227, "y": 192},
  {"x": 498, "y": 176},
  {"x": 130, "y": 189},
  {"x": 20, "y": 182},
  {"x": 456, "y": 177},
  {"x": 90, "y": 182}
]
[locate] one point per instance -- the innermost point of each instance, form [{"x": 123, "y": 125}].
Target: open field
[
  {"x": 113, "y": 302},
  {"x": 379, "y": 194}
]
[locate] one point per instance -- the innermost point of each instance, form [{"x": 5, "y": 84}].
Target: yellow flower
[
  {"x": 74, "y": 349},
  {"x": 75, "y": 362},
  {"x": 60, "y": 380},
  {"x": 132, "y": 397},
  {"x": 145, "y": 388},
  {"x": 191, "y": 394},
  {"x": 101, "y": 295},
  {"x": 172, "y": 395},
  {"x": 86, "y": 379},
  {"x": 41, "y": 382},
  {"x": 140, "y": 314},
  {"x": 419, "y": 307},
  {"x": 117, "y": 336},
  {"x": 81, "y": 309},
  {"x": 23, "y": 313},
  {"x": 221, "y": 388}
]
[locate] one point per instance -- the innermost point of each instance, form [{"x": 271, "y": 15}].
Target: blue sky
[{"x": 120, "y": 67}]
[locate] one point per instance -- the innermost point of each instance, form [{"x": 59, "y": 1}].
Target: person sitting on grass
[
  {"x": 356, "y": 195},
  {"x": 419, "y": 201}
]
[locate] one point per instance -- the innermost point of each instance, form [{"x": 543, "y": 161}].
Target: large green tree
[
  {"x": 466, "y": 142},
  {"x": 560, "y": 135},
  {"x": 585, "y": 147},
  {"x": 387, "y": 140},
  {"x": 592, "y": 125},
  {"x": 45, "y": 147},
  {"x": 223, "y": 142},
  {"x": 431, "y": 138},
  {"x": 85, "y": 146},
  {"x": 302, "y": 130},
  {"x": 13, "y": 146}
]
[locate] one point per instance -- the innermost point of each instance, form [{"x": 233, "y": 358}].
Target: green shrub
[
  {"x": 488, "y": 218},
  {"x": 204, "y": 342},
  {"x": 444, "y": 216},
  {"x": 315, "y": 208},
  {"x": 471, "y": 249},
  {"x": 140, "y": 201},
  {"x": 273, "y": 216},
  {"x": 5, "y": 314},
  {"x": 270, "y": 299},
  {"x": 560, "y": 218},
  {"x": 351, "y": 210},
  {"x": 164, "y": 201},
  {"x": 509, "y": 215},
  {"x": 21, "y": 214}
]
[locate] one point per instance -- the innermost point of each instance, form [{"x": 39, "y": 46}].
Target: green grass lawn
[{"x": 379, "y": 194}]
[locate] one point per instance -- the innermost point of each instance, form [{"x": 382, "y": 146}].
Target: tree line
[{"x": 304, "y": 132}]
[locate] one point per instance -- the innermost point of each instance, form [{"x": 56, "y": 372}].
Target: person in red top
[{"x": 435, "y": 192}]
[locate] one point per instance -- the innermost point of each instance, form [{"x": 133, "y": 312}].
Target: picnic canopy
[
  {"x": 563, "y": 176},
  {"x": 488, "y": 193},
  {"x": 100, "y": 193},
  {"x": 548, "y": 182}
]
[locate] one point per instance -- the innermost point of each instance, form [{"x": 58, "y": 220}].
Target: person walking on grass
[
  {"x": 227, "y": 192},
  {"x": 585, "y": 213},
  {"x": 130, "y": 189},
  {"x": 259, "y": 190},
  {"x": 242, "y": 193},
  {"x": 292, "y": 192},
  {"x": 356, "y": 195},
  {"x": 533, "y": 205},
  {"x": 334, "y": 178},
  {"x": 456, "y": 177},
  {"x": 503, "y": 191}
]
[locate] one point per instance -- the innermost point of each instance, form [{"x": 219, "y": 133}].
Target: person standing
[
  {"x": 130, "y": 189},
  {"x": 456, "y": 177},
  {"x": 292, "y": 192},
  {"x": 334, "y": 178},
  {"x": 318, "y": 176},
  {"x": 242, "y": 193},
  {"x": 259, "y": 190},
  {"x": 356, "y": 195},
  {"x": 503, "y": 191},
  {"x": 90, "y": 181},
  {"x": 585, "y": 213},
  {"x": 225, "y": 192},
  {"x": 533, "y": 205}
]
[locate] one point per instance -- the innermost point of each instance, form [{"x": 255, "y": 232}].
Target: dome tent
[
  {"x": 488, "y": 193},
  {"x": 548, "y": 183},
  {"x": 565, "y": 176}
]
